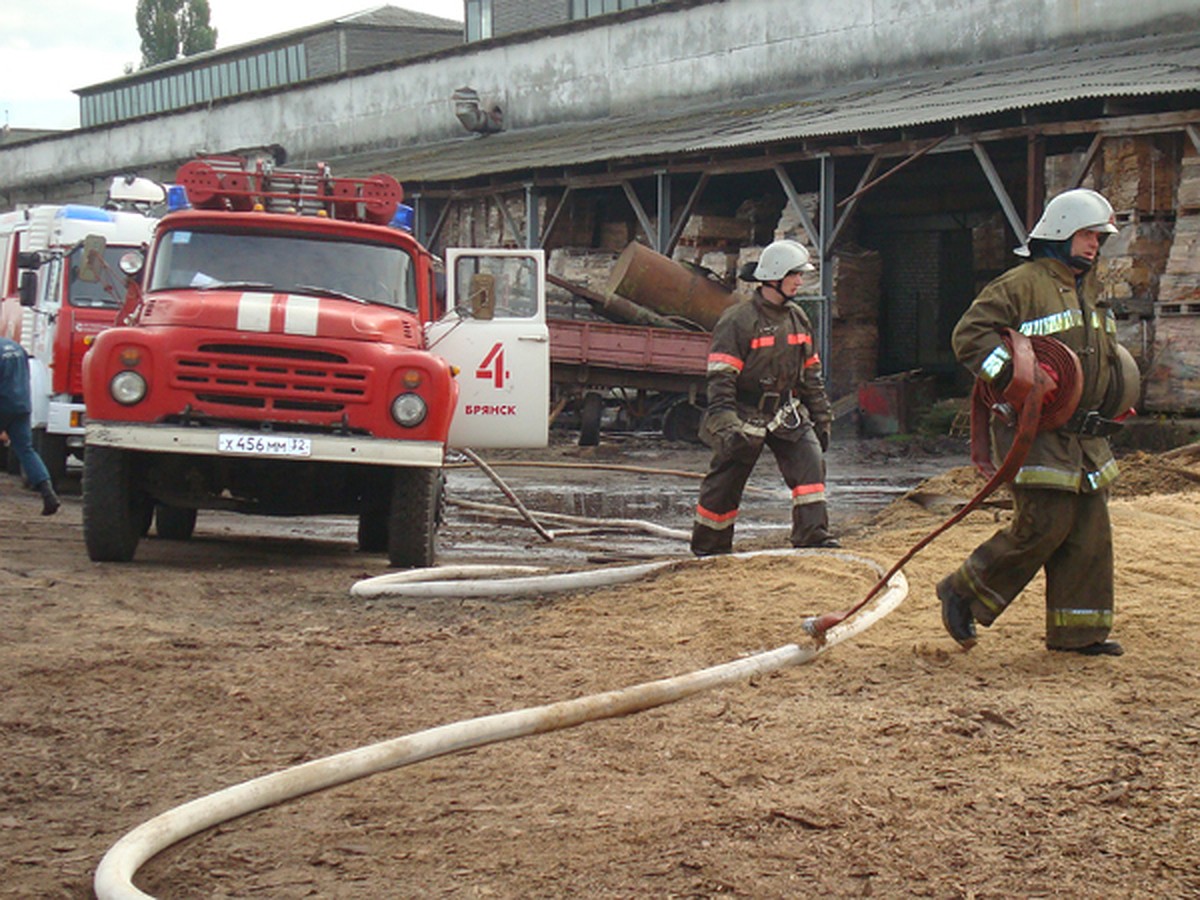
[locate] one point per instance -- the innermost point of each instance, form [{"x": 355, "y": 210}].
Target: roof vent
[{"x": 471, "y": 112}]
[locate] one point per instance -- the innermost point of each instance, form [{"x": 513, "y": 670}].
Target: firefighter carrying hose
[
  {"x": 765, "y": 388},
  {"x": 1060, "y": 519}
]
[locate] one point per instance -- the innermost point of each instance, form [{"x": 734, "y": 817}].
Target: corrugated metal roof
[{"x": 1154, "y": 65}]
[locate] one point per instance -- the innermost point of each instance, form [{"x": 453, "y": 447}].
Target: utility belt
[
  {"x": 767, "y": 403},
  {"x": 1090, "y": 422}
]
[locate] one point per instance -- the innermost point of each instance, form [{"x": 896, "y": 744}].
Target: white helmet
[
  {"x": 1072, "y": 211},
  {"x": 782, "y": 258}
]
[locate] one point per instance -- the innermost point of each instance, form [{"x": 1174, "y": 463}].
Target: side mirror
[
  {"x": 93, "y": 258},
  {"x": 27, "y": 289},
  {"x": 29, "y": 259},
  {"x": 482, "y": 295}
]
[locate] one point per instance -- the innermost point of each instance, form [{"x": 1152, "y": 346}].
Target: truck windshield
[
  {"x": 93, "y": 293},
  {"x": 285, "y": 263}
]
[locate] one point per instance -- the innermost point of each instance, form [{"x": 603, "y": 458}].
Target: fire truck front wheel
[
  {"x": 114, "y": 508},
  {"x": 413, "y": 519}
]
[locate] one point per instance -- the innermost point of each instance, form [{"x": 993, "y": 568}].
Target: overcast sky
[{"x": 50, "y": 47}]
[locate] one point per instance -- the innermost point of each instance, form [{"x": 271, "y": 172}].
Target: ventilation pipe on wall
[{"x": 473, "y": 115}]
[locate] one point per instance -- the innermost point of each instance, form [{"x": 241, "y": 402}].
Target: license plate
[{"x": 263, "y": 445}]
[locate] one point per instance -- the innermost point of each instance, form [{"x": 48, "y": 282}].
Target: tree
[{"x": 173, "y": 28}]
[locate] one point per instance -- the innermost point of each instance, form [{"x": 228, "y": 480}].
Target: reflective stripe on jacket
[
  {"x": 1040, "y": 297},
  {"x": 759, "y": 347}
]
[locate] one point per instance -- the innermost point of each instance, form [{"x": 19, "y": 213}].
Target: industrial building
[{"x": 911, "y": 147}]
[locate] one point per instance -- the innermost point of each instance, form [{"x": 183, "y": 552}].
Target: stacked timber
[
  {"x": 582, "y": 266},
  {"x": 1139, "y": 178},
  {"x": 1172, "y": 384},
  {"x": 713, "y": 244},
  {"x": 854, "y": 340}
]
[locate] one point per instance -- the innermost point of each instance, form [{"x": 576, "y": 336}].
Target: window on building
[
  {"x": 479, "y": 20},
  {"x": 585, "y": 9}
]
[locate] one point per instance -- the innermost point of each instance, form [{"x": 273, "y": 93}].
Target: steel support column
[
  {"x": 532, "y": 223},
  {"x": 1006, "y": 204},
  {"x": 643, "y": 219},
  {"x": 663, "y": 233},
  {"x": 826, "y": 213}
]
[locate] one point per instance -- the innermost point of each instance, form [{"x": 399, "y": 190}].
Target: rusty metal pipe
[{"x": 667, "y": 287}]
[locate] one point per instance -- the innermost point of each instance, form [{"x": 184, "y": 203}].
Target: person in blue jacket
[{"x": 15, "y": 408}]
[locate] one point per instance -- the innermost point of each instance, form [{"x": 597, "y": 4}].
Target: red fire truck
[
  {"x": 53, "y": 313},
  {"x": 288, "y": 354}
]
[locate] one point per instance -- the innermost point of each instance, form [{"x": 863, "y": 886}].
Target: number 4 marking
[{"x": 493, "y": 366}]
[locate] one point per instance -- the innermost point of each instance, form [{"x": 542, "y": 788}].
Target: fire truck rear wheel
[
  {"x": 113, "y": 507},
  {"x": 591, "y": 411},
  {"x": 174, "y": 523},
  {"x": 681, "y": 422},
  {"x": 413, "y": 519}
]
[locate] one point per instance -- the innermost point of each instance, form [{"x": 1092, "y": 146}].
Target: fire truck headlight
[
  {"x": 127, "y": 388},
  {"x": 409, "y": 410}
]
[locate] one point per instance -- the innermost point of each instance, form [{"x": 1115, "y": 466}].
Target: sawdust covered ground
[{"x": 893, "y": 765}]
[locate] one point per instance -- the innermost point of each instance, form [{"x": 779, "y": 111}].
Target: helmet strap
[{"x": 776, "y": 288}]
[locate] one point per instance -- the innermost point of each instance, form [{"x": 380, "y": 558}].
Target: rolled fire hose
[
  {"x": 1025, "y": 397},
  {"x": 114, "y": 876}
]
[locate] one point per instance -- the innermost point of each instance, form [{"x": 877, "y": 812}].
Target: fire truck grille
[{"x": 270, "y": 379}]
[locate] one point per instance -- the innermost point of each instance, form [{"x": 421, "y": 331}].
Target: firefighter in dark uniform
[
  {"x": 1060, "y": 518},
  {"x": 765, "y": 388}
]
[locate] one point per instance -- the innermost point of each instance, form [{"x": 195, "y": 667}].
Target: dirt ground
[{"x": 892, "y": 765}]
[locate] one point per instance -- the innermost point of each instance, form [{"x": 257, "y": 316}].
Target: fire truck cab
[
  {"x": 53, "y": 313},
  {"x": 288, "y": 354}
]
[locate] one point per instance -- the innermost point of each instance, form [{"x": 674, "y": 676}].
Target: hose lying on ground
[
  {"x": 114, "y": 876},
  {"x": 651, "y": 528}
]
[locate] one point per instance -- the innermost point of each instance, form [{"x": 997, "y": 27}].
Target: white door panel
[{"x": 495, "y": 333}]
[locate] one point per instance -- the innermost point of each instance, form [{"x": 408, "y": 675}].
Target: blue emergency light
[
  {"x": 177, "y": 198},
  {"x": 403, "y": 217}
]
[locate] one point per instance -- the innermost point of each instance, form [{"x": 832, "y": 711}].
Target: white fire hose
[{"x": 114, "y": 876}]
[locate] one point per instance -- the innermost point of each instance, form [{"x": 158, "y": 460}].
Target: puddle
[{"x": 855, "y": 492}]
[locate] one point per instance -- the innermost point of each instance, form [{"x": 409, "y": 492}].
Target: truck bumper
[
  {"x": 265, "y": 445},
  {"x": 65, "y": 417}
]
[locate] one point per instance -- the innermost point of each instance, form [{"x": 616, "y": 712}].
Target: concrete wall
[{"x": 658, "y": 56}]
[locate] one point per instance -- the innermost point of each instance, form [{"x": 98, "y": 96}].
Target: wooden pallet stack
[
  {"x": 854, "y": 341},
  {"x": 1172, "y": 384},
  {"x": 713, "y": 243},
  {"x": 578, "y": 265}
]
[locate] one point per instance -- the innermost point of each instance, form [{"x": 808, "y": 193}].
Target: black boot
[
  {"x": 50, "y": 502},
  {"x": 956, "y": 615},
  {"x": 1099, "y": 648}
]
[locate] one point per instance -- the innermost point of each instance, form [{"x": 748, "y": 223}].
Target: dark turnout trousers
[
  {"x": 1066, "y": 533},
  {"x": 803, "y": 468}
]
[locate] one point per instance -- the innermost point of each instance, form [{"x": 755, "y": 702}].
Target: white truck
[{"x": 53, "y": 313}]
